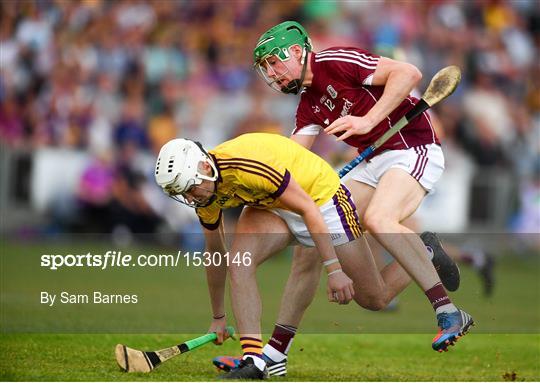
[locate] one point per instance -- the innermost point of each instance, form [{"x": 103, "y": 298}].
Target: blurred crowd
[{"x": 118, "y": 79}]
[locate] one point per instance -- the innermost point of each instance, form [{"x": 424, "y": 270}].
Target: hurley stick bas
[
  {"x": 131, "y": 360},
  {"x": 441, "y": 86}
]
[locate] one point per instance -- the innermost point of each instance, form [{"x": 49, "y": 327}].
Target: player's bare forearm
[
  {"x": 320, "y": 235},
  {"x": 216, "y": 275},
  {"x": 215, "y": 239},
  {"x": 399, "y": 79},
  {"x": 297, "y": 200},
  {"x": 339, "y": 286}
]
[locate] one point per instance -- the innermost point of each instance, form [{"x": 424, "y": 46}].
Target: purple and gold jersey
[
  {"x": 255, "y": 169},
  {"x": 341, "y": 85}
]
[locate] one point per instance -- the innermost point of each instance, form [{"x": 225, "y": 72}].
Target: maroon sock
[
  {"x": 437, "y": 296},
  {"x": 282, "y": 337}
]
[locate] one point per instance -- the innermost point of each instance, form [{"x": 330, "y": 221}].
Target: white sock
[
  {"x": 447, "y": 308},
  {"x": 430, "y": 253},
  {"x": 272, "y": 353},
  {"x": 261, "y": 364}
]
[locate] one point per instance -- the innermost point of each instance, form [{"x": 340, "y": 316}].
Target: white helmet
[{"x": 177, "y": 168}]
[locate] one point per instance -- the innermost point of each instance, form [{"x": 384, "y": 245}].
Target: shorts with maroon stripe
[
  {"x": 425, "y": 163},
  {"x": 340, "y": 217}
]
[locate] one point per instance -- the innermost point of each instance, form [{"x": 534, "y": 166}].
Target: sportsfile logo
[{"x": 113, "y": 258}]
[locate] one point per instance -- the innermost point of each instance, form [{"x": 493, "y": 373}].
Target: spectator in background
[
  {"x": 9, "y": 71},
  {"x": 11, "y": 123},
  {"x": 527, "y": 219},
  {"x": 161, "y": 129},
  {"x": 34, "y": 31},
  {"x": 95, "y": 195},
  {"x": 130, "y": 208},
  {"x": 161, "y": 58},
  {"x": 130, "y": 128},
  {"x": 490, "y": 125}
]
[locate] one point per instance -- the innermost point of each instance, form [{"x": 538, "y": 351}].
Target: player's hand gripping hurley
[
  {"x": 441, "y": 86},
  {"x": 131, "y": 360}
]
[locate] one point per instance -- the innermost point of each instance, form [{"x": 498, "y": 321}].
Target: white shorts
[
  {"x": 339, "y": 215},
  {"x": 424, "y": 163}
]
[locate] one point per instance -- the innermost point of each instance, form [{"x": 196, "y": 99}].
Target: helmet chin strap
[
  {"x": 210, "y": 200},
  {"x": 295, "y": 85},
  {"x": 213, "y": 197}
]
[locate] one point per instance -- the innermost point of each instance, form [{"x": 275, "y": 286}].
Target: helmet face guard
[
  {"x": 276, "y": 42},
  {"x": 195, "y": 203},
  {"x": 273, "y": 78},
  {"x": 177, "y": 170}
]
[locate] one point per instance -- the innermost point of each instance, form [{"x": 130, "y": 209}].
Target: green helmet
[{"x": 278, "y": 39}]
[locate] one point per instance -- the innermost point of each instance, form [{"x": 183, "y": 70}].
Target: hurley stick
[
  {"x": 131, "y": 360},
  {"x": 441, "y": 86}
]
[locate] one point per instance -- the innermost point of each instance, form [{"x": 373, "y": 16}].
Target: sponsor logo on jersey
[
  {"x": 346, "y": 107},
  {"x": 231, "y": 193},
  {"x": 222, "y": 200},
  {"x": 331, "y": 91}
]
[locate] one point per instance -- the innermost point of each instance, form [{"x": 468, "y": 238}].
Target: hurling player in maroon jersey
[{"x": 357, "y": 96}]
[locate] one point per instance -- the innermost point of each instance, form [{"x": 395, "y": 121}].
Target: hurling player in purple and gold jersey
[{"x": 290, "y": 194}]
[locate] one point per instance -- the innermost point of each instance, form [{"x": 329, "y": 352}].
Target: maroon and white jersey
[{"x": 341, "y": 85}]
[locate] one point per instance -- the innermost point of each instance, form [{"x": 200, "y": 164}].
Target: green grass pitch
[
  {"x": 373, "y": 357},
  {"x": 336, "y": 343}
]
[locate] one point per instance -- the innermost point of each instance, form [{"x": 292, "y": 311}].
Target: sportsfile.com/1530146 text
[{"x": 114, "y": 258}]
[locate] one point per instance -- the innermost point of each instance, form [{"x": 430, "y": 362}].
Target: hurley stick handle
[
  {"x": 441, "y": 86},
  {"x": 202, "y": 340}
]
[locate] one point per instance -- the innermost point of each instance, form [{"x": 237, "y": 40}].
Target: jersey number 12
[{"x": 329, "y": 104}]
